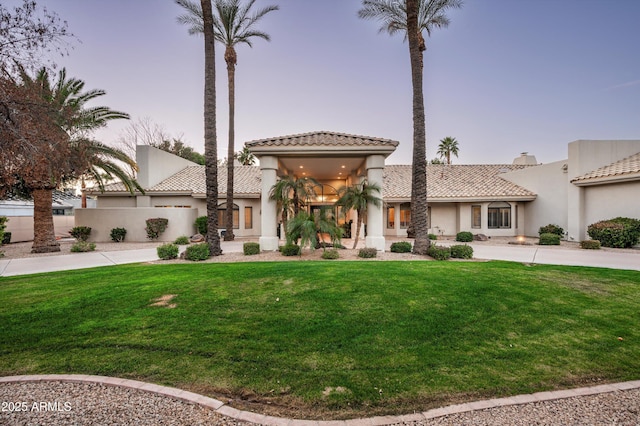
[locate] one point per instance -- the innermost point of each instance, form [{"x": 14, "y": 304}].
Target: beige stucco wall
[
  {"x": 105, "y": 202},
  {"x": 550, "y": 183},
  {"x": 586, "y": 156},
  {"x": 21, "y": 227},
  {"x": 156, "y": 165},
  {"x": 608, "y": 201},
  {"x": 103, "y": 220}
]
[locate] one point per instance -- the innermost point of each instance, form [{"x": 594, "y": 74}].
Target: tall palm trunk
[
  {"x": 419, "y": 165},
  {"x": 230, "y": 59},
  {"x": 44, "y": 240},
  {"x": 210, "y": 138}
]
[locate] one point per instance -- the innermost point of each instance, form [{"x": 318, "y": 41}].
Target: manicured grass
[{"x": 333, "y": 339}]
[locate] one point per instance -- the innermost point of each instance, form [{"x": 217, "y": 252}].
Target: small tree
[
  {"x": 358, "y": 197},
  {"x": 306, "y": 227}
]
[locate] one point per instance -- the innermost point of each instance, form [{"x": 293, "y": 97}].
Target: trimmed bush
[
  {"x": 118, "y": 234},
  {"x": 330, "y": 254},
  {"x": 464, "y": 237},
  {"x": 201, "y": 225},
  {"x": 590, "y": 244},
  {"x": 290, "y": 249},
  {"x": 549, "y": 240},
  {"x": 168, "y": 251},
  {"x": 433, "y": 237},
  {"x": 197, "y": 252},
  {"x": 439, "y": 252},
  {"x": 3, "y": 221},
  {"x": 551, "y": 229},
  {"x": 401, "y": 247},
  {"x": 183, "y": 240},
  {"x": 368, "y": 253},
  {"x": 155, "y": 227},
  {"x": 251, "y": 248},
  {"x": 6, "y": 239},
  {"x": 461, "y": 251},
  {"x": 620, "y": 232},
  {"x": 80, "y": 233},
  {"x": 82, "y": 246}
]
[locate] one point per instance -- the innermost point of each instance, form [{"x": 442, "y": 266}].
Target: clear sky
[{"x": 507, "y": 76}]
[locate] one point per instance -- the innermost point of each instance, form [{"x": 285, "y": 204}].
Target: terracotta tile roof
[
  {"x": 322, "y": 138},
  {"x": 627, "y": 168},
  {"x": 192, "y": 180},
  {"x": 456, "y": 182}
]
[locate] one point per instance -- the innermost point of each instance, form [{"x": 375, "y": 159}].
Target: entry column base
[
  {"x": 269, "y": 243},
  {"x": 377, "y": 243}
]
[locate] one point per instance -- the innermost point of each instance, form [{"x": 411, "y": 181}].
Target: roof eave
[{"x": 604, "y": 180}]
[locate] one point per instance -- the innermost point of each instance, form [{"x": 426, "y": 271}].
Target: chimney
[{"x": 525, "y": 160}]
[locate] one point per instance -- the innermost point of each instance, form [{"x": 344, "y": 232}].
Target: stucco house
[{"x": 599, "y": 180}]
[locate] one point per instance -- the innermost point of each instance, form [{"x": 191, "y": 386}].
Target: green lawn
[{"x": 330, "y": 339}]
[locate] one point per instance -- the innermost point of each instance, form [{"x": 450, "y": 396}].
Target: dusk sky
[{"x": 507, "y": 76}]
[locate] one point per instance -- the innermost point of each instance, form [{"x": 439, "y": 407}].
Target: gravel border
[{"x": 89, "y": 400}]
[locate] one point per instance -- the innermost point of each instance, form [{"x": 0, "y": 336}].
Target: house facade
[{"x": 596, "y": 182}]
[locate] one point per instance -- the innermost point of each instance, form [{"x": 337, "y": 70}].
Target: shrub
[
  {"x": 330, "y": 254},
  {"x": 118, "y": 234},
  {"x": 549, "y": 240},
  {"x": 590, "y": 244},
  {"x": 167, "y": 251},
  {"x": 461, "y": 251},
  {"x": 181, "y": 241},
  {"x": 464, "y": 237},
  {"x": 433, "y": 237},
  {"x": 251, "y": 248},
  {"x": 80, "y": 233},
  {"x": 3, "y": 221},
  {"x": 197, "y": 252},
  {"x": 439, "y": 252},
  {"x": 155, "y": 227},
  {"x": 7, "y": 238},
  {"x": 551, "y": 229},
  {"x": 401, "y": 247},
  {"x": 82, "y": 246},
  {"x": 290, "y": 249},
  {"x": 620, "y": 232},
  {"x": 201, "y": 225},
  {"x": 367, "y": 253}
]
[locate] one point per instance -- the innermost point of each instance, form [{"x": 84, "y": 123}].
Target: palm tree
[
  {"x": 447, "y": 147},
  {"x": 86, "y": 157},
  {"x": 357, "y": 198},
  {"x": 100, "y": 163},
  {"x": 412, "y": 17},
  {"x": 233, "y": 25},
  {"x": 307, "y": 227},
  {"x": 210, "y": 137},
  {"x": 291, "y": 194},
  {"x": 245, "y": 157}
]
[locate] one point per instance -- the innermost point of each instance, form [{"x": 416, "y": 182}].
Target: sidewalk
[{"x": 515, "y": 253}]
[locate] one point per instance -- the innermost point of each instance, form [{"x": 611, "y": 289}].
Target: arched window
[
  {"x": 222, "y": 212},
  {"x": 499, "y": 215}
]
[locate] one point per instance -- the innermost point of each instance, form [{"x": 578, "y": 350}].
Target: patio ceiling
[{"x": 321, "y": 167}]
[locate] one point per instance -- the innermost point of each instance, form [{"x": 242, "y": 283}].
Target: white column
[
  {"x": 269, "y": 210},
  {"x": 375, "y": 217}
]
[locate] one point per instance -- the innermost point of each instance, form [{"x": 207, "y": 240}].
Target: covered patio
[{"x": 334, "y": 160}]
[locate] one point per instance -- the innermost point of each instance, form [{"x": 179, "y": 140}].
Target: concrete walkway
[{"x": 624, "y": 259}]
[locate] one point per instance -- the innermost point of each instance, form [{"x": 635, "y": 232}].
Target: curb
[{"x": 225, "y": 410}]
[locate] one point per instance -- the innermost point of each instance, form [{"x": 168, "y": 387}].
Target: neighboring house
[
  {"x": 20, "y": 214},
  {"x": 598, "y": 181}
]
